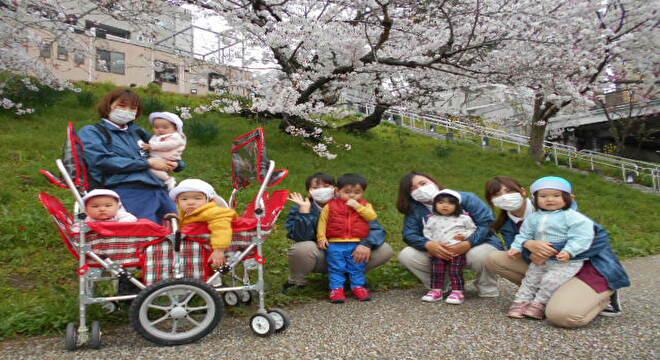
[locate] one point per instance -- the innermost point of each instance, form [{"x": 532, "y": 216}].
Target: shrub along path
[{"x": 396, "y": 325}]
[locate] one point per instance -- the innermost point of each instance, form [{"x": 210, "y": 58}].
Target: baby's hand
[
  {"x": 513, "y": 252},
  {"x": 217, "y": 258},
  {"x": 323, "y": 244},
  {"x": 460, "y": 237},
  {"x": 353, "y": 203},
  {"x": 563, "y": 256}
]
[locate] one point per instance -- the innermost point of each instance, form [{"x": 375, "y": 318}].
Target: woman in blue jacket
[
  {"x": 591, "y": 292},
  {"x": 416, "y": 193},
  {"x": 116, "y": 161},
  {"x": 304, "y": 256}
]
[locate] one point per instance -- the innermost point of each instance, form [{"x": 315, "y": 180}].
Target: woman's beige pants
[{"x": 573, "y": 305}]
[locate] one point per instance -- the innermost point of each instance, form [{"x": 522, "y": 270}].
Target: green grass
[{"x": 38, "y": 277}]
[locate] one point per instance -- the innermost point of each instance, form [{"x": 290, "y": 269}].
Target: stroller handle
[
  {"x": 259, "y": 203},
  {"x": 69, "y": 182}
]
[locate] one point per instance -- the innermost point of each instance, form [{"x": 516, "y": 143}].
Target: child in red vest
[{"x": 344, "y": 221}]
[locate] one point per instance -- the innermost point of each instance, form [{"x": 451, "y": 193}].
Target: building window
[
  {"x": 165, "y": 72},
  {"x": 102, "y": 30},
  {"x": 217, "y": 83},
  {"x": 110, "y": 61},
  {"x": 45, "y": 49},
  {"x": 62, "y": 53},
  {"x": 79, "y": 58}
]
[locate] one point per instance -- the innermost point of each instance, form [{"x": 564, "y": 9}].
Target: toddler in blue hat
[{"x": 570, "y": 232}]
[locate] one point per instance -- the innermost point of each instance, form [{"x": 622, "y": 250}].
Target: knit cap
[
  {"x": 100, "y": 192},
  {"x": 173, "y": 118},
  {"x": 193, "y": 185},
  {"x": 552, "y": 182},
  {"x": 452, "y": 193}
]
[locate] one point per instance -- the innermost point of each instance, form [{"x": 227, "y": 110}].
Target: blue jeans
[
  {"x": 341, "y": 262},
  {"x": 146, "y": 203}
]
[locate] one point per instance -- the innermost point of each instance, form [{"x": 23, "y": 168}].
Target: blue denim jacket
[
  {"x": 481, "y": 214},
  {"x": 123, "y": 162},
  {"x": 302, "y": 227},
  {"x": 600, "y": 254}
]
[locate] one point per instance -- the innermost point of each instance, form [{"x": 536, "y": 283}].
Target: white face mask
[
  {"x": 426, "y": 193},
  {"x": 121, "y": 116},
  {"x": 509, "y": 202},
  {"x": 322, "y": 195}
]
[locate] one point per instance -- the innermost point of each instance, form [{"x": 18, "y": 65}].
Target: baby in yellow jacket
[{"x": 196, "y": 200}]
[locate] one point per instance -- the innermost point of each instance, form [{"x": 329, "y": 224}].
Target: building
[{"x": 103, "y": 49}]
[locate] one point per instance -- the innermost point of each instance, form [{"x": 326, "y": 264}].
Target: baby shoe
[
  {"x": 361, "y": 293},
  {"x": 517, "y": 309},
  {"x": 337, "y": 296},
  {"x": 456, "y": 297},
  {"x": 432, "y": 296},
  {"x": 535, "y": 310}
]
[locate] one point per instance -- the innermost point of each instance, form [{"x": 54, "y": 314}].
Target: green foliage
[
  {"x": 152, "y": 104},
  {"x": 28, "y": 92},
  {"x": 442, "y": 150},
  {"x": 38, "y": 275},
  {"x": 86, "y": 98},
  {"x": 202, "y": 130}
]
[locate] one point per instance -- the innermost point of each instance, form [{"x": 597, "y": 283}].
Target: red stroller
[{"x": 179, "y": 299}]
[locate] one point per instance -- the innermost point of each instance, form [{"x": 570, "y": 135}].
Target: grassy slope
[{"x": 37, "y": 276}]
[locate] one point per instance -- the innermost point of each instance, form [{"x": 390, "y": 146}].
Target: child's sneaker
[
  {"x": 337, "y": 296},
  {"x": 535, "y": 310},
  {"x": 361, "y": 293},
  {"x": 517, "y": 309},
  {"x": 433, "y": 296},
  {"x": 456, "y": 297}
]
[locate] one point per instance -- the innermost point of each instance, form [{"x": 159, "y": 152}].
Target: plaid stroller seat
[
  {"x": 119, "y": 242},
  {"x": 158, "y": 255}
]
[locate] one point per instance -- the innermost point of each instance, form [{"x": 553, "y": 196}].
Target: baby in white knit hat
[
  {"x": 168, "y": 142},
  {"x": 104, "y": 205}
]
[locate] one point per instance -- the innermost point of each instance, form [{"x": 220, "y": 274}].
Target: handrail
[{"x": 627, "y": 166}]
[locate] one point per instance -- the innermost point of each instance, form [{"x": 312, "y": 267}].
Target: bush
[
  {"x": 152, "y": 104},
  {"x": 202, "y": 130},
  {"x": 29, "y": 92},
  {"x": 86, "y": 98}
]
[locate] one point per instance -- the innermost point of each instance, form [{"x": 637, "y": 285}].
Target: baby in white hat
[
  {"x": 168, "y": 142},
  {"x": 104, "y": 205},
  {"x": 196, "y": 200}
]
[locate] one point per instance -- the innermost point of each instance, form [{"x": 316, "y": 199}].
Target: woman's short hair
[
  {"x": 404, "y": 200},
  {"x": 130, "y": 98}
]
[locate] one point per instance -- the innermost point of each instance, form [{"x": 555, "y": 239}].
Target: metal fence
[{"x": 630, "y": 170}]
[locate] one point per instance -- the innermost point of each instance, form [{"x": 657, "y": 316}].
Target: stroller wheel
[
  {"x": 262, "y": 324},
  {"x": 95, "y": 335},
  {"x": 281, "y": 318},
  {"x": 175, "y": 312},
  {"x": 231, "y": 298},
  {"x": 246, "y": 297},
  {"x": 71, "y": 337}
]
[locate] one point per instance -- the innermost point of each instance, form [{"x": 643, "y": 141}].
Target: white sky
[{"x": 206, "y": 42}]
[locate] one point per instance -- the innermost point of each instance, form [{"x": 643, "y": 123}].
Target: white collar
[
  {"x": 528, "y": 210},
  {"x": 125, "y": 128}
]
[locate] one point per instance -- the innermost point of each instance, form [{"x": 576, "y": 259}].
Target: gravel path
[{"x": 396, "y": 325}]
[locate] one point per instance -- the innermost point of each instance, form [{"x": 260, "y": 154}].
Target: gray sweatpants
[{"x": 541, "y": 281}]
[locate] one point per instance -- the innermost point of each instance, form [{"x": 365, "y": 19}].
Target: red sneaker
[
  {"x": 361, "y": 293},
  {"x": 337, "y": 296}
]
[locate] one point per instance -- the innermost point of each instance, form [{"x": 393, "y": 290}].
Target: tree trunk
[
  {"x": 368, "y": 122},
  {"x": 537, "y": 131}
]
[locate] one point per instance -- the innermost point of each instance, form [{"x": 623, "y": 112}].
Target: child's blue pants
[{"x": 341, "y": 262}]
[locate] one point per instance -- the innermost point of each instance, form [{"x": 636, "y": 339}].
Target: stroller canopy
[{"x": 250, "y": 161}]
